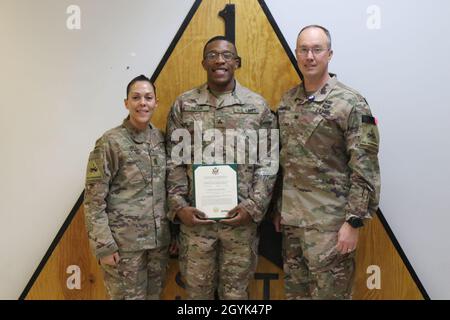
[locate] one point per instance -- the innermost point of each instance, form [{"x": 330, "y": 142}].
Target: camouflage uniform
[
  {"x": 219, "y": 253},
  {"x": 125, "y": 208},
  {"x": 329, "y": 147}
]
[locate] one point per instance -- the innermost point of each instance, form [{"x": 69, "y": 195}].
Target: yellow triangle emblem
[{"x": 93, "y": 172}]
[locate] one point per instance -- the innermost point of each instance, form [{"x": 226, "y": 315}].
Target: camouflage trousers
[
  {"x": 218, "y": 257},
  {"x": 138, "y": 276},
  {"x": 313, "y": 268}
]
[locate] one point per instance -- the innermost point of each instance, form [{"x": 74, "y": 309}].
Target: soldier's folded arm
[
  {"x": 100, "y": 171},
  {"x": 362, "y": 145}
]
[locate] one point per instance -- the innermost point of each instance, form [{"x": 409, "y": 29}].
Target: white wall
[
  {"x": 402, "y": 69},
  {"x": 60, "y": 90}
]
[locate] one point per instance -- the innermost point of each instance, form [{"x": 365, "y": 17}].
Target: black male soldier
[{"x": 219, "y": 255}]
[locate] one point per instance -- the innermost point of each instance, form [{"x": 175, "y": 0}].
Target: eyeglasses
[
  {"x": 226, "y": 55},
  {"x": 315, "y": 51}
]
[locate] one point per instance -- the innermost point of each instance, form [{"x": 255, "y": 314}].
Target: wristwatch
[{"x": 355, "y": 222}]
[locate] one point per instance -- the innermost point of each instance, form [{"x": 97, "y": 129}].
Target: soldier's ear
[
  {"x": 125, "y": 102},
  {"x": 238, "y": 62},
  {"x": 204, "y": 64},
  {"x": 330, "y": 55}
]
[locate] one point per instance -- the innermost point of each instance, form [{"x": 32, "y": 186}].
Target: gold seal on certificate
[{"x": 215, "y": 189}]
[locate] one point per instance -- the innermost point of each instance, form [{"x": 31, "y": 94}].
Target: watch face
[{"x": 356, "y": 223}]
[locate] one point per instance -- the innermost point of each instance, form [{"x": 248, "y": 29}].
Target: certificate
[{"x": 215, "y": 189}]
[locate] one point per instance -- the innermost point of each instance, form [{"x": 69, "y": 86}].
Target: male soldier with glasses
[
  {"x": 219, "y": 255},
  {"x": 331, "y": 178}
]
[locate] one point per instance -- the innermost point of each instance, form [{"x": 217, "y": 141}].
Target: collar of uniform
[
  {"x": 156, "y": 136},
  {"x": 138, "y": 136},
  {"x": 236, "y": 97},
  {"x": 320, "y": 95}
]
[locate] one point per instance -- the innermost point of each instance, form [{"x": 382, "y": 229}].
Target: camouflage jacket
[
  {"x": 125, "y": 195},
  {"x": 329, "y": 147},
  {"x": 241, "y": 109}
]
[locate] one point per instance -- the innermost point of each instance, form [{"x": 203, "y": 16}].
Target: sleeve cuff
[
  {"x": 175, "y": 204},
  {"x": 252, "y": 209},
  {"x": 106, "y": 251},
  {"x": 350, "y": 215}
]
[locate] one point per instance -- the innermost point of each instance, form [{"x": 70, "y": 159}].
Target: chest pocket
[
  {"x": 245, "y": 117},
  {"x": 298, "y": 127},
  {"x": 308, "y": 124},
  {"x": 192, "y": 113},
  {"x": 140, "y": 159}
]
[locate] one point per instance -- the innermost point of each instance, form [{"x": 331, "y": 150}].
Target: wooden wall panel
[
  {"x": 376, "y": 249},
  {"x": 73, "y": 249},
  {"x": 267, "y": 70}
]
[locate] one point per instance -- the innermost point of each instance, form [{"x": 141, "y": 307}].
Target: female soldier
[{"x": 125, "y": 200}]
